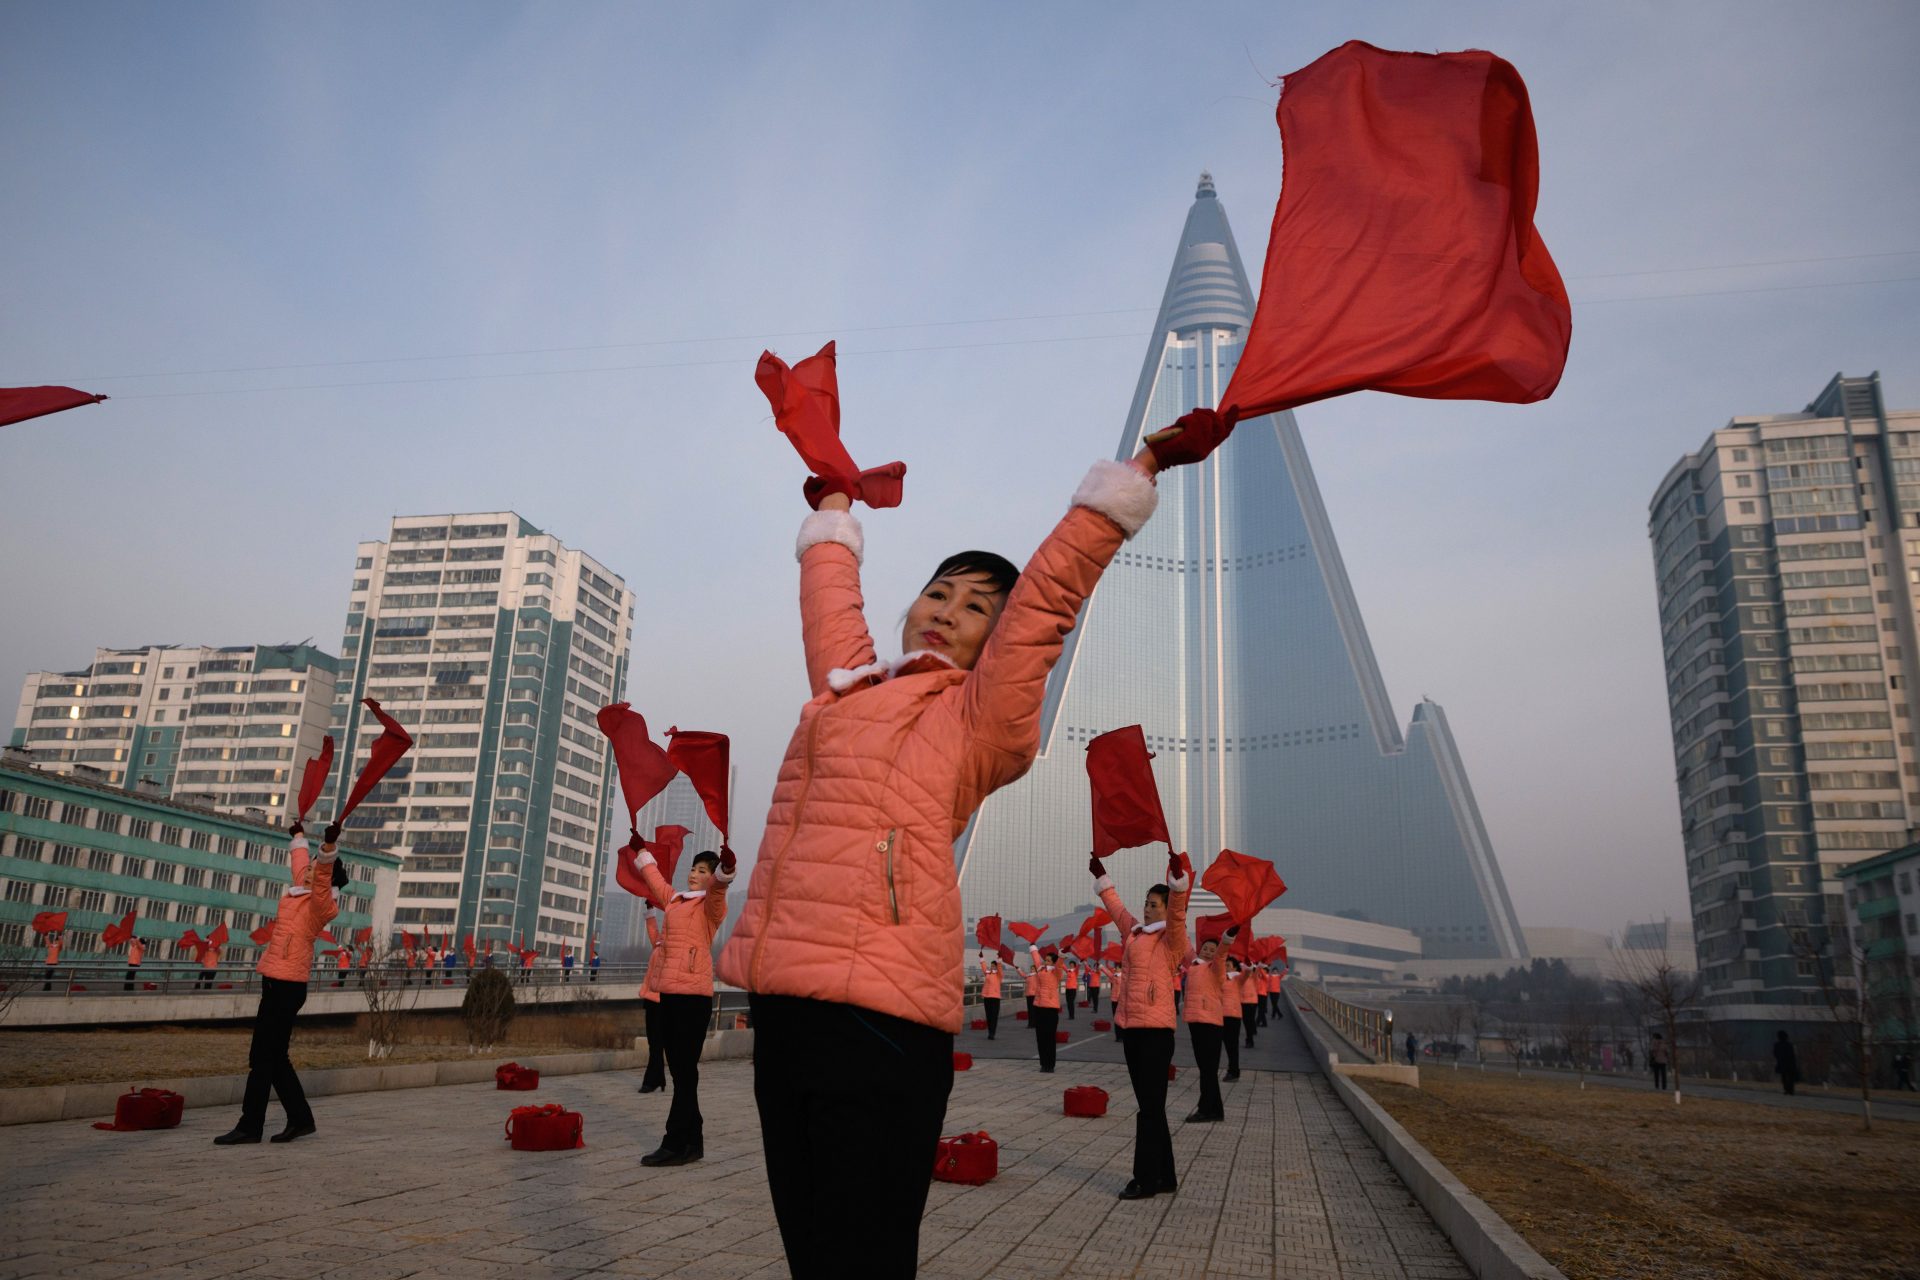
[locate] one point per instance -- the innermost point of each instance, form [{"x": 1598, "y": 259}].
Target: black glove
[
  {"x": 332, "y": 834},
  {"x": 296, "y": 829},
  {"x": 634, "y": 843},
  {"x": 1094, "y": 865}
]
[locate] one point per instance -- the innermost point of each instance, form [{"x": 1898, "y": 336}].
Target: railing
[
  {"x": 1368, "y": 1030},
  {"x": 84, "y": 980}
]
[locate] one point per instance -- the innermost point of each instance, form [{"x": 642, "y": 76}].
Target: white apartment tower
[
  {"x": 496, "y": 646},
  {"x": 225, "y": 728}
]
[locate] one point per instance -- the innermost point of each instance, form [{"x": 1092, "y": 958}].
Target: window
[
  {"x": 1779, "y": 756},
  {"x": 66, "y": 855},
  {"x": 1746, "y": 508},
  {"x": 28, "y": 850},
  {"x": 1743, "y": 481},
  {"x": 170, "y": 835},
  {"x": 22, "y": 891}
]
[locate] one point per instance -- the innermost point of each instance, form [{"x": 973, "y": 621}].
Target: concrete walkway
[
  {"x": 1276, "y": 1047},
  {"x": 420, "y": 1183}
]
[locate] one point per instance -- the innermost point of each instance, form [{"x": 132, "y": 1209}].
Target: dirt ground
[
  {"x": 108, "y": 1056},
  {"x": 1613, "y": 1185}
]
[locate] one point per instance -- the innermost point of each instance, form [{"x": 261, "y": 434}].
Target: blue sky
[{"x": 634, "y": 199}]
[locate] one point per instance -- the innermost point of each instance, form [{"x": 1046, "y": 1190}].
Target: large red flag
[
  {"x": 645, "y": 770},
  {"x": 1245, "y": 884},
  {"x": 986, "y": 932},
  {"x": 1083, "y": 947},
  {"x": 1403, "y": 255},
  {"x": 49, "y": 921},
  {"x": 115, "y": 934},
  {"x": 1114, "y": 952},
  {"x": 314, "y": 778},
  {"x": 392, "y": 743},
  {"x": 1099, "y": 919},
  {"x": 702, "y": 756},
  {"x": 188, "y": 941},
  {"x": 1005, "y": 953},
  {"x": 1029, "y": 933},
  {"x": 363, "y": 934},
  {"x": 665, "y": 847},
  {"x": 264, "y": 934},
  {"x": 806, "y": 408},
  {"x": 17, "y": 404},
  {"x": 218, "y": 938},
  {"x": 1126, "y": 801},
  {"x": 1209, "y": 928}
]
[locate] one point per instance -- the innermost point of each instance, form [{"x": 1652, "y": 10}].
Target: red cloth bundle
[
  {"x": 702, "y": 756},
  {"x": 548, "y": 1128},
  {"x": 145, "y": 1109},
  {"x": 511, "y": 1075},
  {"x": 49, "y": 921},
  {"x": 986, "y": 932},
  {"x": 1102, "y": 1024},
  {"x": 1085, "y": 1100},
  {"x": 1403, "y": 255},
  {"x": 115, "y": 934},
  {"x": 1126, "y": 800},
  {"x": 1060, "y": 1037},
  {"x": 806, "y": 408},
  {"x": 1172, "y": 1071},
  {"x": 978, "y": 1024},
  {"x": 962, "y": 1061},
  {"x": 1246, "y": 884},
  {"x": 971, "y": 1158},
  {"x": 1020, "y": 1014},
  {"x": 666, "y": 845}
]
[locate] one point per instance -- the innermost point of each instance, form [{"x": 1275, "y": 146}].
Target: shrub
[{"x": 488, "y": 1009}]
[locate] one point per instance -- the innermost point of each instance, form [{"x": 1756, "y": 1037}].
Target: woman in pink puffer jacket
[{"x": 851, "y": 942}]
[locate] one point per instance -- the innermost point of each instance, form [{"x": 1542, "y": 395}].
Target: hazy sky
[{"x": 337, "y": 262}]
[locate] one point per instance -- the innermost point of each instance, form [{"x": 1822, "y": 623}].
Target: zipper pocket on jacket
[{"x": 893, "y": 892}]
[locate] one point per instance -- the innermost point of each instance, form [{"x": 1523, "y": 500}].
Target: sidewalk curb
[
  {"x": 1491, "y": 1248},
  {"x": 96, "y": 1101}
]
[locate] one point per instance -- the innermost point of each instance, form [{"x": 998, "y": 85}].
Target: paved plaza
[{"x": 420, "y": 1183}]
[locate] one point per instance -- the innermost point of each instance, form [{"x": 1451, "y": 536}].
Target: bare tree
[
  {"x": 389, "y": 998},
  {"x": 1450, "y": 1017},
  {"x": 1856, "y": 1001},
  {"x": 1577, "y": 1022},
  {"x": 16, "y": 974},
  {"x": 1663, "y": 993},
  {"x": 1481, "y": 1018}
]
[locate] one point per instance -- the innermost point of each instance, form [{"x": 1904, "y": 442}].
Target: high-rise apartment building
[
  {"x": 496, "y": 645},
  {"x": 1787, "y": 553},
  {"x": 222, "y": 727},
  {"x": 1228, "y": 630}
]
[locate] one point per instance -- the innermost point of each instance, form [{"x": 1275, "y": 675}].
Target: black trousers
[
  {"x": 1273, "y": 1002},
  {"x": 851, "y": 1103},
  {"x": 206, "y": 980},
  {"x": 269, "y": 1069},
  {"x": 1659, "y": 1075},
  {"x": 1249, "y": 1019},
  {"x": 1045, "y": 1023},
  {"x": 992, "y": 1005},
  {"x": 1230, "y": 1041},
  {"x": 49, "y": 982},
  {"x": 132, "y": 973},
  {"x": 656, "y": 1074},
  {"x": 1260, "y": 1007},
  {"x": 1073, "y": 997},
  {"x": 1149, "y": 1052},
  {"x": 1093, "y": 999},
  {"x": 683, "y": 1029},
  {"x": 1206, "y": 1055}
]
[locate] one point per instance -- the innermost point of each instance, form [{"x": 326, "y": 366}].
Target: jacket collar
[
  {"x": 689, "y": 895},
  {"x": 1155, "y": 927},
  {"x": 912, "y": 663}
]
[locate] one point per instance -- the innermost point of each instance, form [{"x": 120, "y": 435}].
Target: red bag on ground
[
  {"x": 1020, "y": 1014},
  {"x": 1172, "y": 1071},
  {"x": 145, "y": 1109},
  {"x": 511, "y": 1075},
  {"x": 1085, "y": 1100},
  {"x": 962, "y": 1061},
  {"x": 971, "y": 1158},
  {"x": 548, "y": 1128},
  {"x": 1060, "y": 1037},
  {"x": 978, "y": 1024},
  {"x": 1102, "y": 1024}
]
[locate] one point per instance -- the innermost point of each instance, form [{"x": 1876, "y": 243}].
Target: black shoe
[
  {"x": 1202, "y": 1117},
  {"x": 1046, "y": 1071},
  {"x": 1134, "y": 1191},
  {"x": 292, "y": 1131},
  {"x": 236, "y": 1136},
  {"x": 1230, "y": 1077},
  {"x": 664, "y": 1158},
  {"x": 651, "y": 1088}
]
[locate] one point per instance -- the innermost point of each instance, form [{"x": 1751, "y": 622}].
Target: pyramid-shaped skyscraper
[{"x": 1228, "y": 630}]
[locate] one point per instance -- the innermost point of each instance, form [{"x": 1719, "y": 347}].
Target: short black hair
[
  {"x": 706, "y": 857},
  {"x": 1166, "y": 894},
  {"x": 339, "y": 873},
  {"x": 997, "y": 570}
]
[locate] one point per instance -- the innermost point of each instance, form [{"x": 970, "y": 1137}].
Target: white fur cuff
[
  {"x": 1103, "y": 884},
  {"x": 1180, "y": 884},
  {"x": 1119, "y": 491},
  {"x": 723, "y": 875},
  {"x": 831, "y": 526}
]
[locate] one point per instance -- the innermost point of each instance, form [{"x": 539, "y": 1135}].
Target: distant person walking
[
  {"x": 1903, "y": 1071},
  {"x": 1786, "y": 1064},
  {"x": 1413, "y": 1049},
  {"x": 136, "y": 954},
  {"x": 1657, "y": 1060},
  {"x": 55, "y": 941}
]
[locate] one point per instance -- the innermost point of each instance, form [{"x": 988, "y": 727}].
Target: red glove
[
  {"x": 1093, "y": 865},
  {"x": 727, "y": 860},
  {"x": 1193, "y": 437}
]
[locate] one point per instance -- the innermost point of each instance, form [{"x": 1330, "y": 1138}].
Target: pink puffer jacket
[
  {"x": 288, "y": 954},
  {"x": 990, "y": 988},
  {"x": 1043, "y": 984},
  {"x": 1150, "y": 960},
  {"x": 684, "y": 956},
  {"x": 656, "y": 961},
  {"x": 1206, "y": 989},
  {"x": 853, "y": 898}
]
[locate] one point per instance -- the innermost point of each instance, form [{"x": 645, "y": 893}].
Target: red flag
[
  {"x": 264, "y": 934},
  {"x": 314, "y": 777},
  {"x": 1243, "y": 883},
  {"x": 806, "y": 408},
  {"x": 115, "y": 934},
  {"x": 665, "y": 847},
  {"x": 1005, "y": 953},
  {"x": 49, "y": 921},
  {"x": 17, "y": 404},
  {"x": 1213, "y": 927},
  {"x": 593, "y": 947},
  {"x": 468, "y": 948},
  {"x": 986, "y": 932},
  {"x": 1113, "y": 952},
  {"x": 1126, "y": 802},
  {"x": 392, "y": 743},
  {"x": 702, "y": 756},
  {"x": 1098, "y": 919},
  {"x": 1267, "y": 948},
  {"x": 1028, "y": 933},
  {"x": 407, "y": 940},
  {"x": 326, "y": 935},
  {"x": 1242, "y": 948},
  {"x": 1083, "y": 947},
  {"x": 363, "y": 934},
  {"x": 645, "y": 770},
  {"x": 1403, "y": 255},
  {"x": 218, "y": 938},
  {"x": 188, "y": 941}
]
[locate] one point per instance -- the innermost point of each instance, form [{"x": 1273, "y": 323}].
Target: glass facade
[{"x": 1228, "y": 630}]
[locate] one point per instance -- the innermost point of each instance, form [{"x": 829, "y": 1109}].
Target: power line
[
  {"x": 1720, "y": 293},
  {"x": 917, "y": 324}
]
